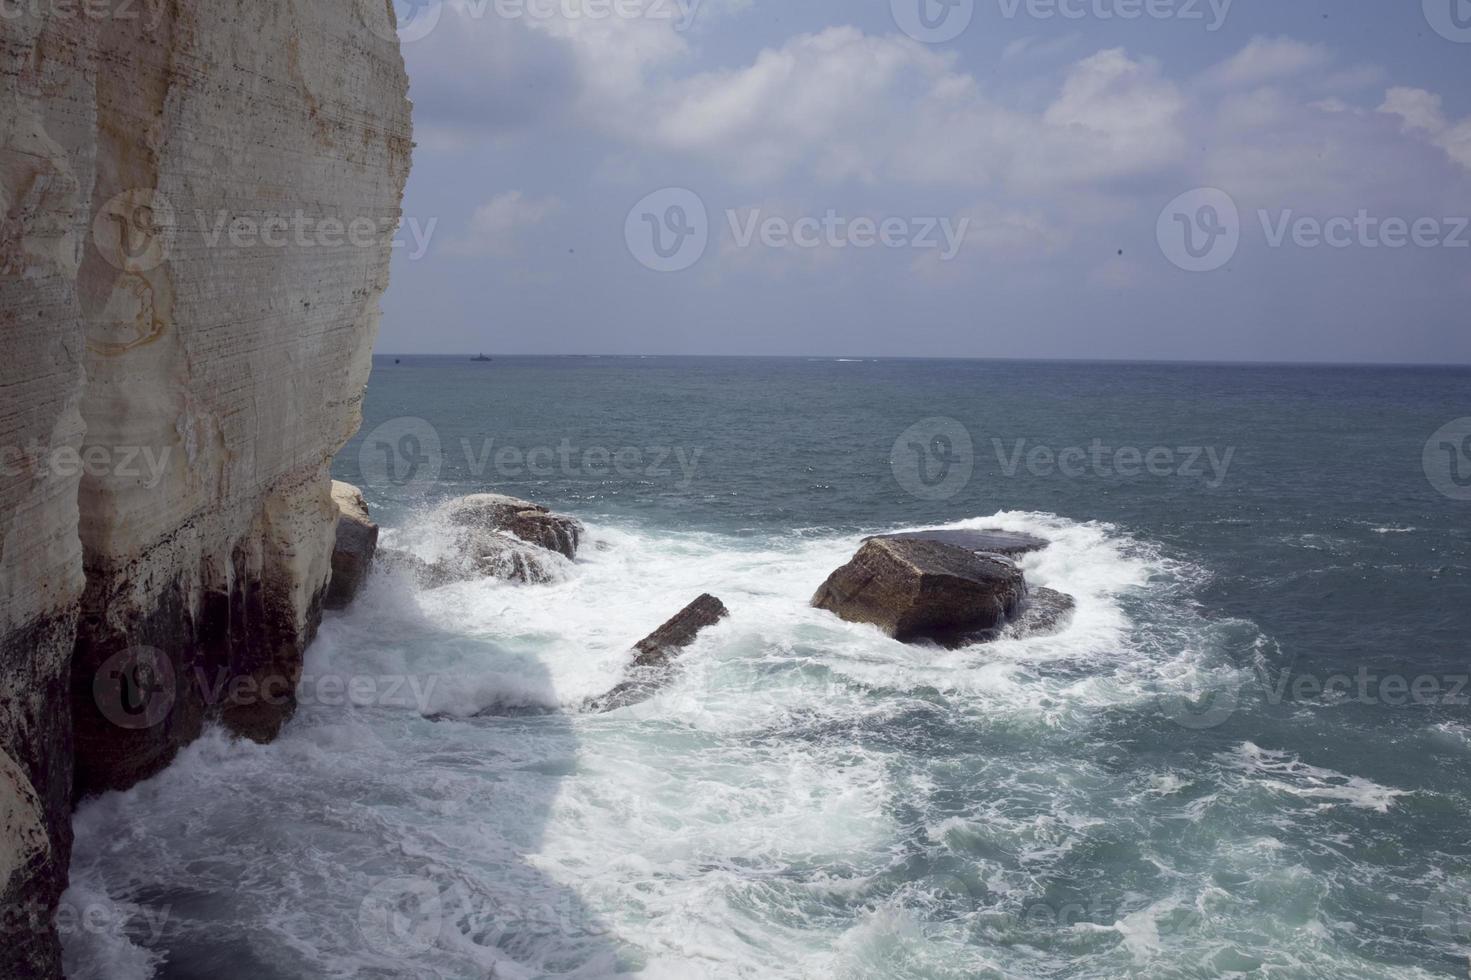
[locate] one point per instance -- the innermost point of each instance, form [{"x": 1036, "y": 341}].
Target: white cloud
[
  {"x": 1267, "y": 59},
  {"x": 1422, "y": 113},
  {"x": 1037, "y": 48},
  {"x": 495, "y": 226},
  {"x": 1275, "y": 123}
]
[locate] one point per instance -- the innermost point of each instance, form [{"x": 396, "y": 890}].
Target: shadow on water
[{"x": 376, "y": 838}]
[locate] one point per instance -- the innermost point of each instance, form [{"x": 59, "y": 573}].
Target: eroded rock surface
[
  {"x": 207, "y": 377},
  {"x": 655, "y": 654},
  {"x": 357, "y": 542},
  {"x": 921, "y": 590}
]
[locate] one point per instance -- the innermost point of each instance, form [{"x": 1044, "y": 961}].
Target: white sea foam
[
  {"x": 752, "y": 819},
  {"x": 1284, "y": 772}
]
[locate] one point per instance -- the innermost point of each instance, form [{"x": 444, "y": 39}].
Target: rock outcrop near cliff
[
  {"x": 197, "y": 203},
  {"x": 357, "y": 544}
]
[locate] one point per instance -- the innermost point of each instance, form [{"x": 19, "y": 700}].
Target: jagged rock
[
  {"x": 990, "y": 541},
  {"x": 529, "y": 522},
  {"x": 1044, "y": 611},
  {"x": 656, "y": 653},
  {"x": 31, "y": 879},
  {"x": 915, "y": 589},
  {"x": 357, "y": 540}
]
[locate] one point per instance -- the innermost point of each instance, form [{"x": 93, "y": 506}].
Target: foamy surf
[{"x": 806, "y": 797}]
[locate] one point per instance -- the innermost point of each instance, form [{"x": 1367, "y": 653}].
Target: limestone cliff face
[{"x": 197, "y": 201}]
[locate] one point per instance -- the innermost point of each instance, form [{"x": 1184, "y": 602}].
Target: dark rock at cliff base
[
  {"x": 1044, "y": 612},
  {"x": 357, "y": 540},
  {"x": 990, "y": 541},
  {"x": 530, "y": 522},
  {"x": 916, "y": 589},
  {"x": 657, "y": 651}
]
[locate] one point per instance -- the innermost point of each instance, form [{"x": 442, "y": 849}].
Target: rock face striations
[{"x": 197, "y": 203}]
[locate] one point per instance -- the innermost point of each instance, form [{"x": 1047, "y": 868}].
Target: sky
[{"x": 1233, "y": 180}]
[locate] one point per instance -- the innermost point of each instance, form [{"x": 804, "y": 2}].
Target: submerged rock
[
  {"x": 990, "y": 541},
  {"x": 357, "y": 540},
  {"x": 530, "y": 522},
  {"x": 917, "y": 589},
  {"x": 657, "y": 651},
  {"x": 1044, "y": 612}
]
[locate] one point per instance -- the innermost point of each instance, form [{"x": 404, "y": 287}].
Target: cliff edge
[{"x": 197, "y": 204}]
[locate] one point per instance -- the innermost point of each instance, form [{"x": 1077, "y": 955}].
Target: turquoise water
[{"x": 1249, "y": 754}]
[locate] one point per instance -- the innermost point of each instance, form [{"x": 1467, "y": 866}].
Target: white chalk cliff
[{"x": 197, "y": 200}]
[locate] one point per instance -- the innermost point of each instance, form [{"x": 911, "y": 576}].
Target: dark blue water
[{"x": 1250, "y": 754}]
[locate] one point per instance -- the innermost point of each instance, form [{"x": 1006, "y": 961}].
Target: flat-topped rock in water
[
  {"x": 991, "y": 541},
  {"x": 917, "y": 589},
  {"x": 528, "y": 521},
  {"x": 1044, "y": 611},
  {"x": 357, "y": 540},
  {"x": 657, "y": 652}
]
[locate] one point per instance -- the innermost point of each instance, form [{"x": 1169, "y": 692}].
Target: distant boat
[{"x": 481, "y": 357}]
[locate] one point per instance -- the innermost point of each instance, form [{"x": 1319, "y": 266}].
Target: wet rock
[
  {"x": 530, "y": 522},
  {"x": 1044, "y": 612},
  {"x": 357, "y": 540},
  {"x": 487, "y": 555},
  {"x": 916, "y": 589},
  {"x": 656, "y": 653},
  {"x": 990, "y": 541}
]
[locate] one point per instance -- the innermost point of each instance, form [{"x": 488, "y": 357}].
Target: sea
[{"x": 1248, "y": 753}]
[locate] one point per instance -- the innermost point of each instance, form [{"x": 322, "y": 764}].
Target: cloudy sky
[{"x": 1154, "y": 179}]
